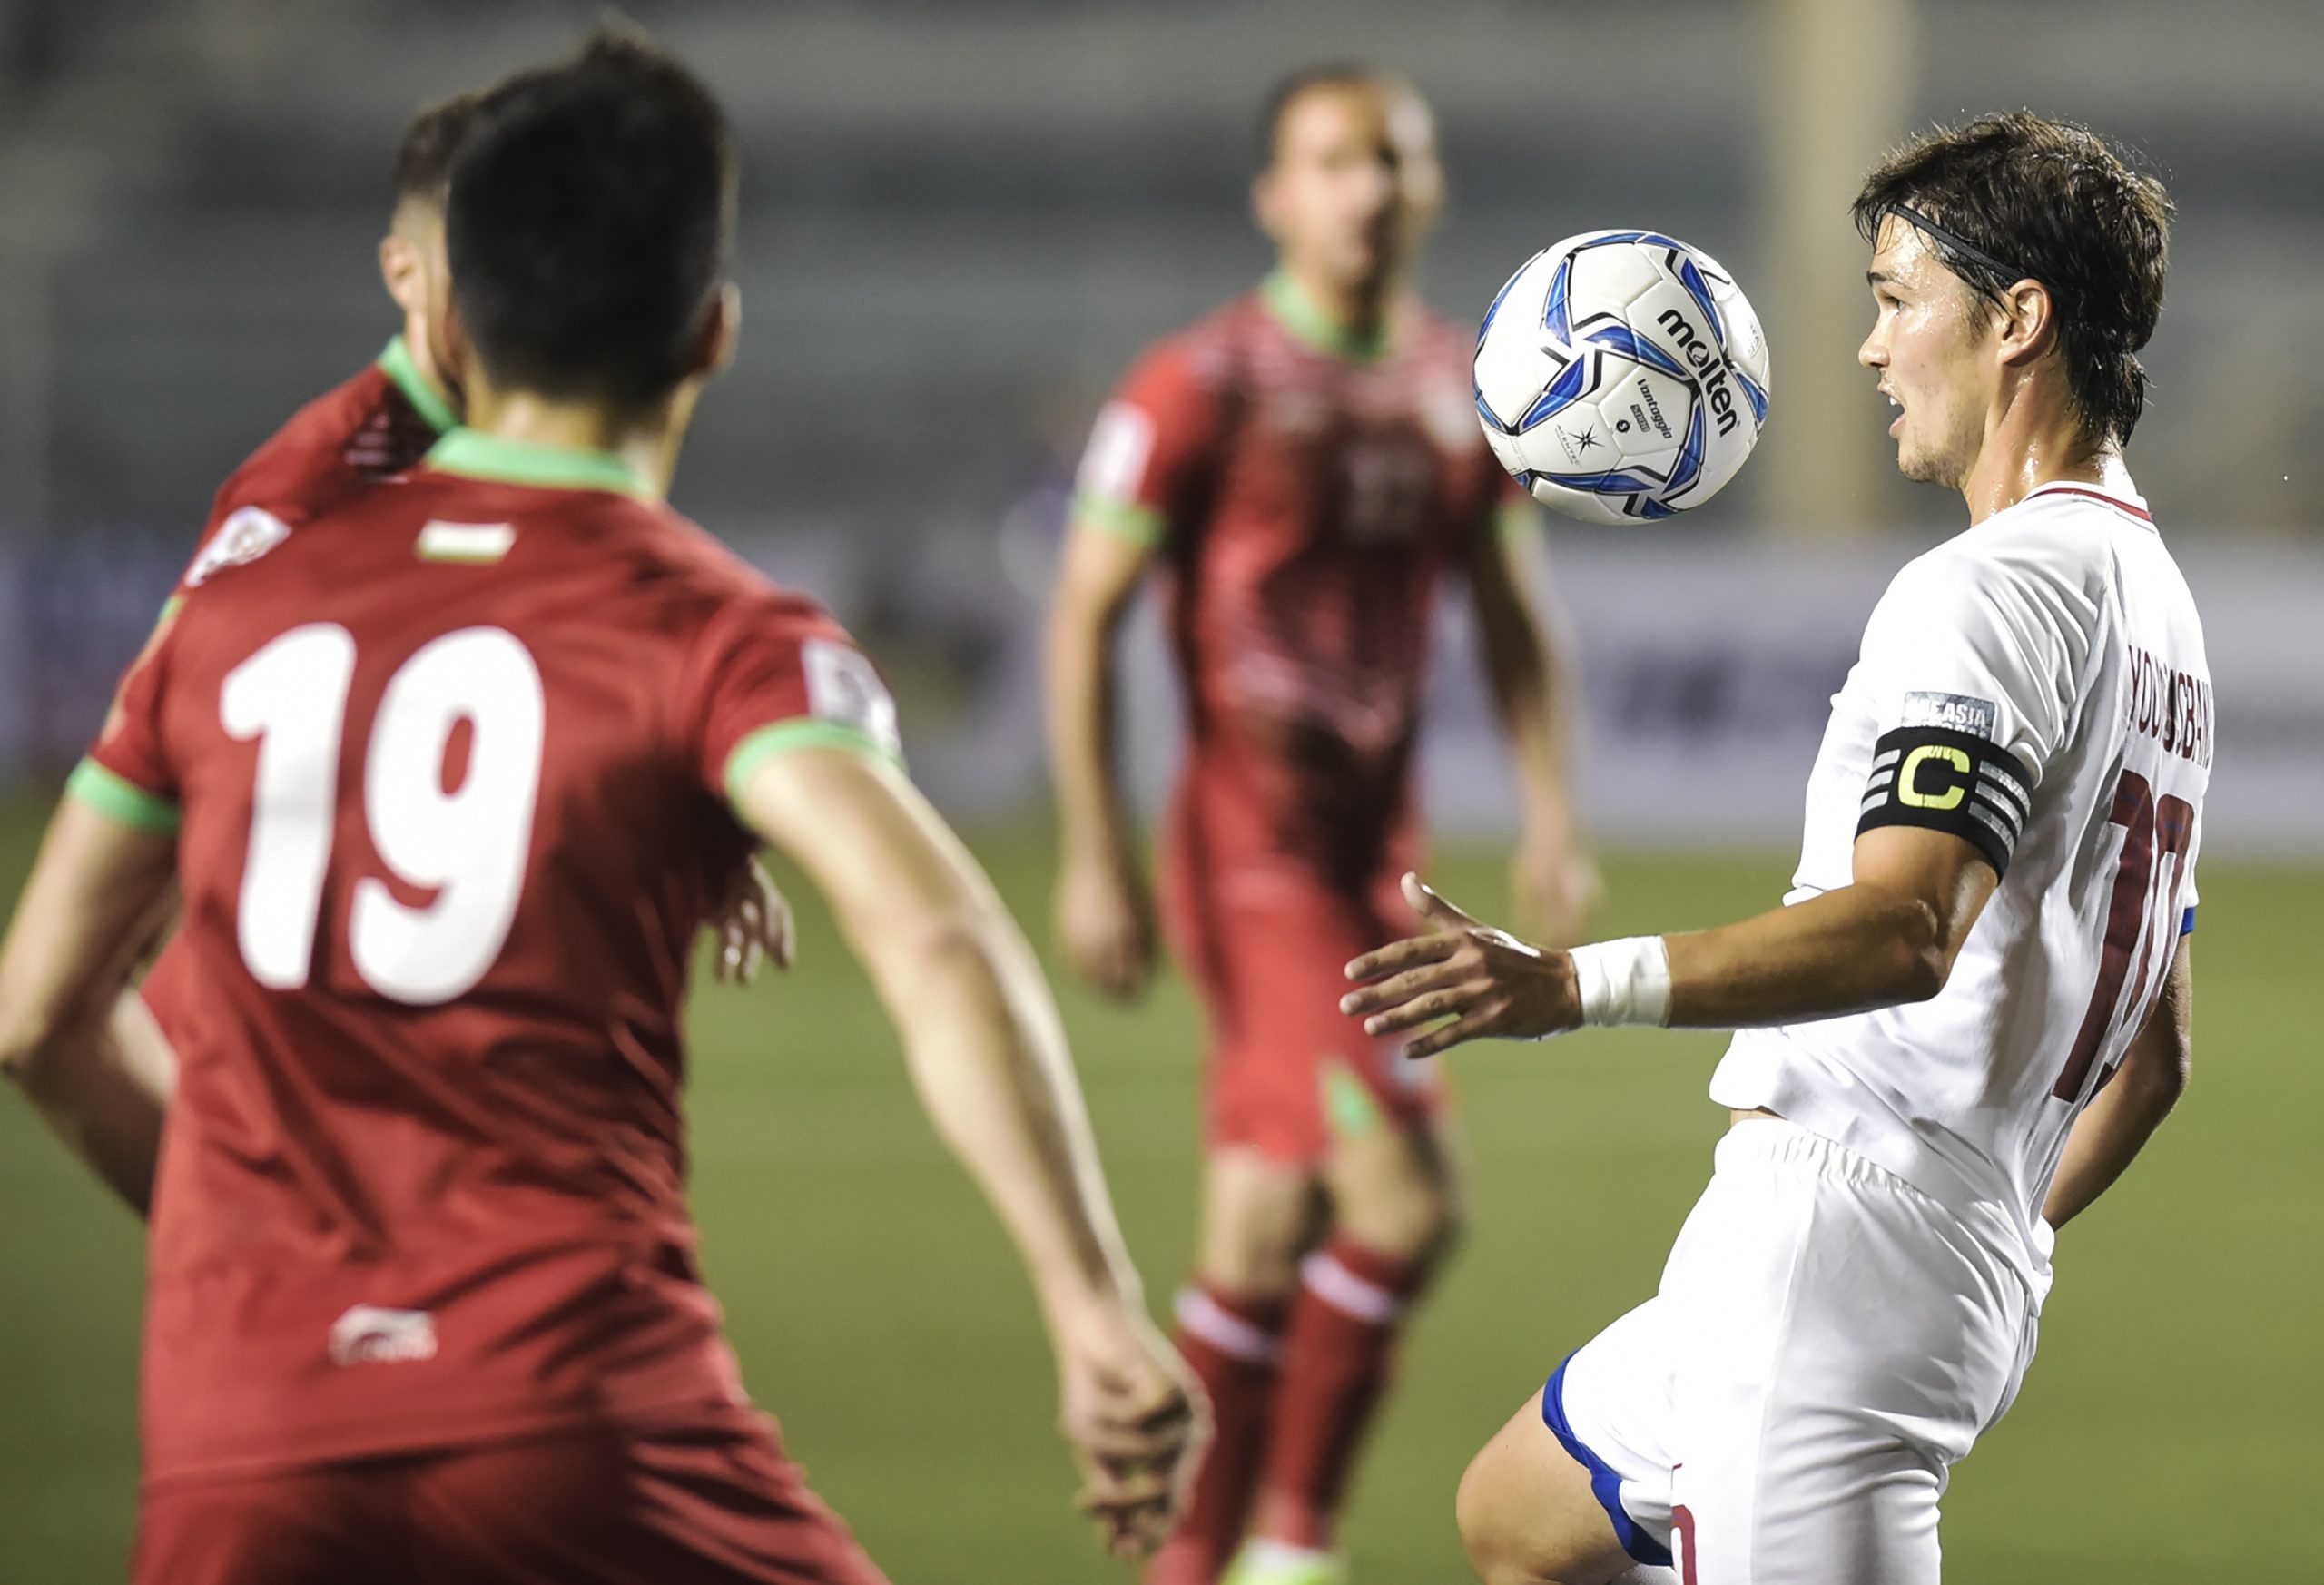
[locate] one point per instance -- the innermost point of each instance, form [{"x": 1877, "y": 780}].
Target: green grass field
[{"x": 2162, "y": 1435}]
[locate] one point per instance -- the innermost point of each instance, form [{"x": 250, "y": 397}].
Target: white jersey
[{"x": 2038, "y": 686}]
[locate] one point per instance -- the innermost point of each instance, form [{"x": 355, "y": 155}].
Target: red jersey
[
  {"x": 450, "y": 762},
  {"x": 1304, "y": 492},
  {"x": 374, "y": 427},
  {"x": 377, "y": 424}
]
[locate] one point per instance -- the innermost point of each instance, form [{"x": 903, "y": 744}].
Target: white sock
[
  {"x": 1649, "y": 1574},
  {"x": 1264, "y": 1553}
]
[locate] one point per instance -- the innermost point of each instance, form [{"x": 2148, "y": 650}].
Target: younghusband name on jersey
[{"x": 2172, "y": 706}]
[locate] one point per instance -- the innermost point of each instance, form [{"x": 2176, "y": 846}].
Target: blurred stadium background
[{"x": 962, "y": 219}]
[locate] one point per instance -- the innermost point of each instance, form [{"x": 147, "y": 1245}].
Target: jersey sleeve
[
  {"x": 127, "y": 773},
  {"x": 1972, "y": 662},
  {"x": 240, "y": 528},
  {"x": 377, "y": 424},
  {"x": 1149, "y": 446},
  {"x": 774, "y": 673}
]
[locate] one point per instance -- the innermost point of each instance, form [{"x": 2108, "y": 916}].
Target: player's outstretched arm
[
  {"x": 988, "y": 1053},
  {"x": 2117, "y": 1124},
  {"x": 1889, "y": 937},
  {"x": 83, "y": 1049},
  {"x": 1104, "y": 915},
  {"x": 1531, "y": 677}
]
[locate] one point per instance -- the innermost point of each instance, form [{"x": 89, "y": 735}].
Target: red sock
[
  {"x": 1230, "y": 1341},
  {"x": 1337, "y": 1352}
]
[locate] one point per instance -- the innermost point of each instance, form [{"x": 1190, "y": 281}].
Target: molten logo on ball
[{"x": 1640, "y": 338}]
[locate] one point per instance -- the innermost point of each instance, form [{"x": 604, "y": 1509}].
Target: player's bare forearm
[
  {"x": 988, "y": 1054},
  {"x": 1867, "y": 946},
  {"x": 1553, "y": 881},
  {"x": 1889, "y": 937},
  {"x": 1095, "y": 587},
  {"x": 107, "y": 1099},
  {"x": 990, "y": 1064},
  {"x": 1103, "y": 918},
  {"x": 981, "y": 1033},
  {"x": 83, "y": 1049},
  {"x": 2117, "y": 1124},
  {"x": 1530, "y": 676}
]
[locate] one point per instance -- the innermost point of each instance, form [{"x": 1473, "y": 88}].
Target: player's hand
[
  {"x": 753, "y": 924},
  {"x": 1553, "y": 886},
  {"x": 1132, "y": 1417},
  {"x": 1486, "y": 982},
  {"x": 1105, "y": 926}
]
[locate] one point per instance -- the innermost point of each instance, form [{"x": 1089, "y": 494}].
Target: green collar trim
[
  {"x": 477, "y": 455},
  {"x": 1312, "y": 324},
  {"x": 397, "y": 364}
]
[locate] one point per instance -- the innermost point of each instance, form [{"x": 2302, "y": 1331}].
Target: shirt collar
[
  {"x": 473, "y": 454},
  {"x": 2128, "y": 501},
  {"x": 403, "y": 372},
  {"x": 1312, "y": 325}
]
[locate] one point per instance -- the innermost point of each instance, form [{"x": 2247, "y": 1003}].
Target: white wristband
[{"x": 1624, "y": 983}]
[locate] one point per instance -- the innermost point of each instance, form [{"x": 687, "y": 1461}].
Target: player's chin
[
  {"x": 1367, "y": 258},
  {"x": 1920, "y": 466}
]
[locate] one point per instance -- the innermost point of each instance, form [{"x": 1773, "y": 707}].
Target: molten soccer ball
[{"x": 1622, "y": 377}]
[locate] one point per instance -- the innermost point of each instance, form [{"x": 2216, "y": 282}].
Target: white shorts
[{"x": 1826, "y": 1342}]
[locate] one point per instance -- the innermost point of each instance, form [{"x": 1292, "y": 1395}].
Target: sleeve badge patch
[
  {"x": 245, "y": 537},
  {"x": 844, "y": 688},
  {"x": 1953, "y": 712},
  {"x": 1114, "y": 466}
]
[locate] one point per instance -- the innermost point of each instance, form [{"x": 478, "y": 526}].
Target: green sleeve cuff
[
  {"x": 1141, "y": 525},
  {"x": 122, "y": 800},
  {"x": 1517, "y": 519},
  {"x": 785, "y": 737}
]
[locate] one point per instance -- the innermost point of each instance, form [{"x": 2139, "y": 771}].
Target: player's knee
[
  {"x": 1417, "y": 1222},
  {"x": 1494, "y": 1542},
  {"x": 1260, "y": 1268},
  {"x": 1253, "y": 1233},
  {"x": 1452, "y": 1226}
]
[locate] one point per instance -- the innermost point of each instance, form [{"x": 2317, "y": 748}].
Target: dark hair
[
  {"x": 424, "y": 158},
  {"x": 589, "y": 223},
  {"x": 1291, "y": 87},
  {"x": 2017, "y": 196}
]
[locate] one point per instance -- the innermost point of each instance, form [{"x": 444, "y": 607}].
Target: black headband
[{"x": 1953, "y": 243}]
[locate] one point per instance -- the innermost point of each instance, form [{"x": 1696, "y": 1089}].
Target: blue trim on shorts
[
  {"x": 1604, "y": 1483},
  {"x": 2187, "y": 922}
]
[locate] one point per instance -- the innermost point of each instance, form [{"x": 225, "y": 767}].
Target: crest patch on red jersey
[
  {"x": 844, "y": 687},
  {"x": 249, "y": 533}
]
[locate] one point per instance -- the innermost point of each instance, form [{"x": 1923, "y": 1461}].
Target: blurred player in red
[
  {"x": 1299, "y": 467},
  {"x": 450, "y": 777},
  {"x": 377, "y": 425}
]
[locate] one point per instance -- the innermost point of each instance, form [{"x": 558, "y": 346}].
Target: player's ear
[
  {"x": 403, "y": 271},
  {"x": 1266, "y": 204},
  {"x": 1413, "y": 130},
  {"x": 2028, "y": 321},
  {"x": 721, "y": 333}
]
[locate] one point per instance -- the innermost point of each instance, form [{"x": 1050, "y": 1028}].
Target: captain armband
[{"x": 1941, "y": 779}]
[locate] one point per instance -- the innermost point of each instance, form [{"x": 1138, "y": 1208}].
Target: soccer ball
[{"x": 1622, "y": 377}]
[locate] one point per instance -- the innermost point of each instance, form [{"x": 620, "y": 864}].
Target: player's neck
[
  {"x": 2035, "y": 439},
  {"x": 1349, "y": 313},
  {"x": 422, "y": 361},
  {"x": 647, "y": 442}
]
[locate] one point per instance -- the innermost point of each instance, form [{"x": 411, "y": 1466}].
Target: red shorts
[
  {"x": 1286, "y": 1072},
  {"x": 711, "y": 1504}
]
